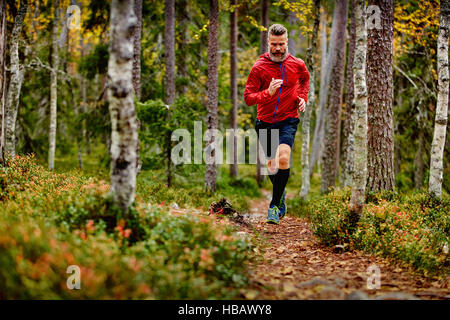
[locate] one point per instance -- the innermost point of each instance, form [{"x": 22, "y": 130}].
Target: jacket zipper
[{"x": 279, "y": 94}]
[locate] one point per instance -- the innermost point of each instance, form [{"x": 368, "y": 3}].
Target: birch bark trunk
[
  {"x": 361, "y": 106},
  {"x": 15, "y": 83},
  {"x": 260, "y": 159},
  {"x": 53, "y": 88},
  {"x": 349, "y": 122},
  {"x": 2, "y": 76},
  {"x": 312, "y": 50},
  {"x": 440, "y": 122},
  {"x": 124, "y": 136},
  {"x": 233, "y": 85}
]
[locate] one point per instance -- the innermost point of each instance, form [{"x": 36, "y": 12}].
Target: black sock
[
  {"x": 280, "y": 181},
  {"x": 272, "y": 178}
]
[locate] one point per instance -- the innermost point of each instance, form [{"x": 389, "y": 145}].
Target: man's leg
[{"x": 280, "y": 179}]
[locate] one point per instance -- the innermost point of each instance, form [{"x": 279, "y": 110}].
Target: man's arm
[
  {"x": 303, "y": 89},
  {"x": 252, "y": 95}
]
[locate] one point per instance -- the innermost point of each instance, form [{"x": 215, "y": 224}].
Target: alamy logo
[
  {"x": 182, "y": 153},
  {"x": 374, "y": 278},
  {"x": 373, "y": 17},
  {"x": 74, "y": 280},
  {"x": 73, "y": 14}
]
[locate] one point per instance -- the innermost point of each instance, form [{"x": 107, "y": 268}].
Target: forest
[{"x": 130, "y": 167}]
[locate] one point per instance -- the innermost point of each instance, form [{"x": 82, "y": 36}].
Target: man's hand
[
  {"x": 301, "y": 104},
  {"x": 274, "y": 85}
]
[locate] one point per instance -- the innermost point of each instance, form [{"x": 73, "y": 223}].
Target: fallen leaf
[
  {"x": 250, "y": 294},
  {"x": 281, "y": 249},
  {"x": 289, "y": 288},
  {"x": 287, "y": 270}
]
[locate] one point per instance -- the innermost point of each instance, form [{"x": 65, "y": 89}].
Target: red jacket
[{"x": 284, "y": 103}]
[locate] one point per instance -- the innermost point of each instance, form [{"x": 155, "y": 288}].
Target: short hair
[{"x": 277, "y": 30}]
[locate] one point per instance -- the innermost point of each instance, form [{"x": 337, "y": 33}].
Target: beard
[{"x": 280, "y": 58}]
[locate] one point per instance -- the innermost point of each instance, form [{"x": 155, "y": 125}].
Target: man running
[{"x": 278, "y": 84}]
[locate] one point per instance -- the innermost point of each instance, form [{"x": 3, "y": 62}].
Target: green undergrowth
[
  {"x": 50, "y": 221},
  {"x": 413, "y": 228}
]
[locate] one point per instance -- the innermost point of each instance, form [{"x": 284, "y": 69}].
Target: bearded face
[{"x": 277, "y": 47}]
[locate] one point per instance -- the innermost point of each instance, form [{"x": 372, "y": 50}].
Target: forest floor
[{"x": 295, "y": 265}]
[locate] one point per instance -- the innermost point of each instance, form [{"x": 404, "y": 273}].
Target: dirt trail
[{"x": 297, "y": 266}]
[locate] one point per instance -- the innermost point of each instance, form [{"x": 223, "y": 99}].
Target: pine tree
[
  {"x": 380, "y": 158},
  {"x": 330, "y": 157},
  {"x": 212, "y": 121}
]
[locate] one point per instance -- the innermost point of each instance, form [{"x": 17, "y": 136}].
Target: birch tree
[
  {"x": 2, "y": 75},
  {"x": 212, "y": 121},
  {"x": 124, "y": 136},
  {"x": 330, "y": 157},
  {"x": 347, "y": 132},
  {"x": 361, "y": 106},
  {"x": 53, "y": 87},
  {"x": 312, "y": 50},
  {"x": 262, "y": 49},
  {"x": 440, "y": 122},
  {"x": 380, "y": 157},
  {"x": 17, "y": 71},
  {"x": 233, "y": 84}
]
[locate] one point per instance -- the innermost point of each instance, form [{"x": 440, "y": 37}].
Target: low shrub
[
  {"x": 50, "y": 221},
  {"x": 411, "y": 228}
]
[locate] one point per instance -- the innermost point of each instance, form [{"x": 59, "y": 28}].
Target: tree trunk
[
  {"x": 330, "y": 157},
  {"x": 53, "y": 88},
  {"x": 264, "y": 23},
  {"x": 292, "y": 18},
  {"x": 15, "y": 83},
  {"x": 169, "y": 47},
  {"x": 124, "y": 136},
  {"x": 440, "y": 122},
  {"x": 137, "y": 68},
  {"x": 312, "y": 50},
  {"x": 137, "y": 49},
  {"x": 380, "y": 114},
  {"x": 262, "y": 49},
  {"x": 2, "y": 76},
  {"x": 349, "y": 123},
  {"x": 325, "y": 72},
  {"x": 233, "y": 85},
  {"x": 418, "y": 160},
  {"x": 361, "y": 106},
  {"x": 213, "y": 61},
  {"x": 182, "y": 18}
]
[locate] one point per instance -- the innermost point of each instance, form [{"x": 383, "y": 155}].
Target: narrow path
[{"x": 297, "y": 266}]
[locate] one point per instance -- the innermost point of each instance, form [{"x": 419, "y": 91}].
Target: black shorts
[{"x": 286, "y": 135}]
